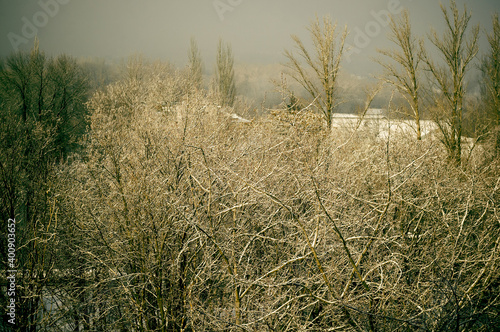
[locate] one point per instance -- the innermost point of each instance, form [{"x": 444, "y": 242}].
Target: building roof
[{"x": 376, "y": 113}]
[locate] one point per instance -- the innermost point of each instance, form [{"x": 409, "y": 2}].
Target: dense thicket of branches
[{"x": 184, "y": 220}]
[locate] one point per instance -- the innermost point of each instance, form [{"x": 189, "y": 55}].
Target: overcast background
[{"x": 259, "y": 30}]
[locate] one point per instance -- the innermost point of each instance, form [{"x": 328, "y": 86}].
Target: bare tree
[
  {"x": 491, "y": 75},
  {"x": 224, "y": 75},
  {"x": 403, "y": 71},
  {"x": 195, "y": 64},
  {"x": 318, "y": 75},
  {"x": 449, "y": 79}
]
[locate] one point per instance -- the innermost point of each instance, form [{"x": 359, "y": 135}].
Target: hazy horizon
[{"x": 258, "y": 31}]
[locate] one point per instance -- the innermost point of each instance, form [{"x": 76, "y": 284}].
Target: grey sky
[{"x": 259, "y": 30}]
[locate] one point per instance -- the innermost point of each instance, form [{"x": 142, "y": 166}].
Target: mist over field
[{"x": 249, "y": 165}]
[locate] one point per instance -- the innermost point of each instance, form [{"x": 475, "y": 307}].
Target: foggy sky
[{"x": 259, "y": 30}]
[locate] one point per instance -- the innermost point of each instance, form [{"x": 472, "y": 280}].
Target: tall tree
[
  {"x": 195, "y": 64},
  {"x": 403, "y": 69},
  {"x": 457, "y": 52},
  {"x": 224, "y": 75},
  {"x": 318, "y": 75},
  {"x": 491, "y": 74}
]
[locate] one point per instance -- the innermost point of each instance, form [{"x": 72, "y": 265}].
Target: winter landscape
[{"x": 344, "y": 178}]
